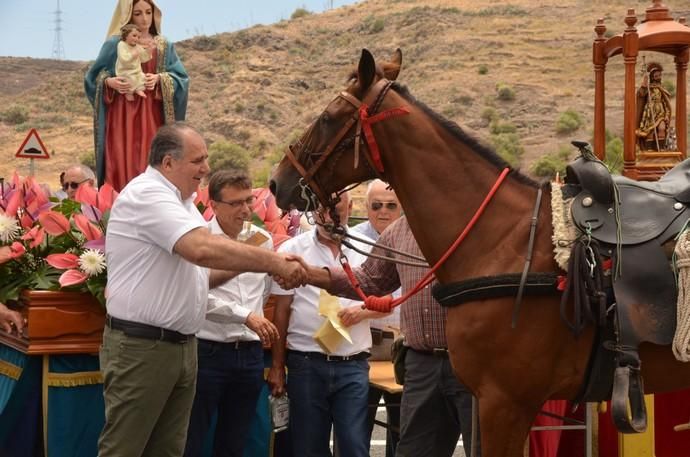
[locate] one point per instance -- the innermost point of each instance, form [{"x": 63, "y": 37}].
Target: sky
[{"x": 27, "y": 27}]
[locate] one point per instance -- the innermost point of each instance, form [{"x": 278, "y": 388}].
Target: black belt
[
  {"x": 437, "y": 352},
  {"x": 331, "y": 358},
  {"x": 231, "y": 344},
  {"x": 149, "y": 332}
]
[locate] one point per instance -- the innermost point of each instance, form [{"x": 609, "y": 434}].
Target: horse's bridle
[{"x": 361, "y": 119}]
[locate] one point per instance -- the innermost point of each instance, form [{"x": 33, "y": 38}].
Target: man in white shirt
[
  {"x": 324, "y": 389},
  {"x": 159, "y": 252},
  {"x": 231, "y": 362}
]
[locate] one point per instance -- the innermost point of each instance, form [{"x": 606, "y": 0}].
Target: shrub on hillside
[
  {"x": 14, "y": 115},
  {"x": 483, "y": 69},
  {"x": 508, "y": 146},
  {"x": 614, "y": 153},
  {"x": 300, "y": 12},
  {"x": 670, "y": 86},
  {"x": 223, "y": 155},
  {"x": 497, "y": 127},
  {"x": 489, "y": 115},
  {"x": 552, "y": 163},
  {"x": 568, "y": 122},
  {"x": 88, "y": 159},
  {"x": 504, "y": 92}
]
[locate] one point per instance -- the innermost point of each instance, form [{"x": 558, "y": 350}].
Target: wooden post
[
  {"x": 630, "y": 48},
  {"x": 599, "y": 59},
  {"x": 681, "y": 107}
]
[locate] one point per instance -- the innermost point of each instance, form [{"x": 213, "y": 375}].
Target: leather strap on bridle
[{"x": 363, "y": 120}]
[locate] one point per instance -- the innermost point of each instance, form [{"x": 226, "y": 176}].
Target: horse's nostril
[{"x": 272, "y": 186}]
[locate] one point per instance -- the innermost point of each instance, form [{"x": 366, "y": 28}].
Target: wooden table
[{"x": 381, "y": 376}]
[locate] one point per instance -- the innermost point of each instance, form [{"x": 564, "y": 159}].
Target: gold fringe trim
[
  {"x": 10, "y": 370},
  {"x": 564, "y": 231},
  {"x": 76, "y": 379},
  {"x": 167, "y": 93}
]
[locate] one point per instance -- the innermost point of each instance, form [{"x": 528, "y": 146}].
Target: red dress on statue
[{"x": 130, "y": 127}]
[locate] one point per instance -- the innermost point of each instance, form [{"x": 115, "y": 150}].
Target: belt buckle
[{"x": 439, "y": 351}]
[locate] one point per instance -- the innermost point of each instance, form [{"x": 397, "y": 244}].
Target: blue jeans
[
  {"x": 326, "y": 393},
  {"x": 228, "y": 383}
]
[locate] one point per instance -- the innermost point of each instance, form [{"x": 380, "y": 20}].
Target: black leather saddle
[{"x": 631, "y": 220}]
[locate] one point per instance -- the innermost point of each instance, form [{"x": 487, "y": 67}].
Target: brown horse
[{"x": 441, "y": 175}]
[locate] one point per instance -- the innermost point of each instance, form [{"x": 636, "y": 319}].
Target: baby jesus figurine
[{"x": 130, "y": 56}]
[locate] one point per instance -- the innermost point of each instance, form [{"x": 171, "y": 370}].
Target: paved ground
[{"x": 378, "y": 439}]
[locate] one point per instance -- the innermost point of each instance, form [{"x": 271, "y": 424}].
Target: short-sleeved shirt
[
  {"x": 304, "y": 317},
  {"x": 147, "y": 281},
  {"x": 245, "y": 293}
]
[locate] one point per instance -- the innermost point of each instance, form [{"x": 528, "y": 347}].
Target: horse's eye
[{"x": 325, "y": 118}]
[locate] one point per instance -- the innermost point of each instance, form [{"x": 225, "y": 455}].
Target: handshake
[{"x": 292, "y": 272}]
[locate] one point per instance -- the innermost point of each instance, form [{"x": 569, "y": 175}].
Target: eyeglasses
[
  {"x": 391, "y": 206},
  {"x": 249, "y": 201},
  {"x": 73, "y": 185}
]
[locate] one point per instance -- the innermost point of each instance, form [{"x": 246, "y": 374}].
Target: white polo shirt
[
  {"x": 242, "y": 294},
  {"x": 147, "y": 281},
  {"x": 304, "y": 318}
]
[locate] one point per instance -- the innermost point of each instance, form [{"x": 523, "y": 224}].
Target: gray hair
[
  {"x": 168, "y": 141},
  {"x": 374, "y": 182},
  {"x": 85, "y": 171}
]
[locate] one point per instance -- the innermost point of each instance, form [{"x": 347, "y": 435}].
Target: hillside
[{"x": 258, "y": 86}]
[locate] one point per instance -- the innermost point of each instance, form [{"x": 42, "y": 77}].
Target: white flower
[
  {"x": 9, "y": 228},
  {"x": 92, "y": 262}
]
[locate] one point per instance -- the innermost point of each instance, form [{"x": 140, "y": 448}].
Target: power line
[{"x": 58, "y": 48}]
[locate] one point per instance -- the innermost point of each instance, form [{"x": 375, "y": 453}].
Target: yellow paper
[
  {"x": 257, "y": 239},
  {"x": 332, "y": 332}
]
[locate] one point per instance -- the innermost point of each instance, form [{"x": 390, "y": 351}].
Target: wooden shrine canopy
[{"x": 657, "y": 32}]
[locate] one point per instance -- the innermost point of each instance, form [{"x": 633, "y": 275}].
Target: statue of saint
[{"x": 653, "y": 111}]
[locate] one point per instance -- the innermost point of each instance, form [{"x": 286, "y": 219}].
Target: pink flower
[
  {"x": 72, "y": 277},
  {"x": 36, "y": 235},
  {"x": 63, "y": 261},
  {"x": 90, "y": 231},
  {"x": 17, "y": 249},
  {"x": 54, "y": 223}
]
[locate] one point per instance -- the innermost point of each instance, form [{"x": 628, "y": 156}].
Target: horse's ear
[
  {"x": 366, "y": 70},
  {"x": 392, "y": 68}
]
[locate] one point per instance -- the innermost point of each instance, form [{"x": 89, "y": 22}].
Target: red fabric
[
  {"x": 671, "y": 409},
  {"x": 544, "y": 443},
  {"x": 130, "y": 127}
]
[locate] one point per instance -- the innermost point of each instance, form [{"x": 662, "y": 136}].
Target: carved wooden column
[
  {"x": 681, "y": 97},
  {"x": 630, "y": 48},
  {"x": 599, "y": 58}
]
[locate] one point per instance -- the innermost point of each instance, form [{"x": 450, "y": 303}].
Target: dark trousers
[
  {"x": 435, "y": 408},
  {"x": 228, "y": 383},
  {"x": 392, "y": 417}
]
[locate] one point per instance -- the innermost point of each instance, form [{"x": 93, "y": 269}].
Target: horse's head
[{"x": 326, "y": 159}]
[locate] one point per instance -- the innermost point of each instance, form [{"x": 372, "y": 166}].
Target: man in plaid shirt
[{"x": 435, "y": 406}]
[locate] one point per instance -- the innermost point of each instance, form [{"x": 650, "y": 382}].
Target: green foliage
[
  {"x": 483, "y": 69},
  {"x": 223, "y": 155},
  {"x": 614, "y": 153},
  {"x": 504, "y": 92},
  {"x": 14, "y": 115},
  {"x": 498, "y": 10},
  {"x": 377, "y": 26},
  {"x": 508, "y": 146},
  {"x": 88, "y": 159},
  {"x": 670, "y": 86},
  {"x": 498, "y": 127},
  {"x": 568, "y": 122},
  {"x": 552, "y": 163},
  {"x": 300, "y": 12},
  {"x": 489, "y": 115}
]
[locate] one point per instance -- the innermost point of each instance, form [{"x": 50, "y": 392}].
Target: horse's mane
[{"x": 488, "y": 154}]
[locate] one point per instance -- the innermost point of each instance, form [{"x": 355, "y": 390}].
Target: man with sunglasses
[
  {"x": 383, "y": 208},
  {"x": 231, "y": 357},
  {"x": 75, "y": 176}
]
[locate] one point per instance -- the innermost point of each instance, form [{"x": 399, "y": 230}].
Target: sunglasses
[
  {"x": 249, "y": 201},
  {"x": 391, "y": 206},
  {"x": 73, "y": 185}
]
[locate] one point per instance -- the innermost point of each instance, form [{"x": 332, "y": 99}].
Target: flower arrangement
[{"x": 48, "y": 245}]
